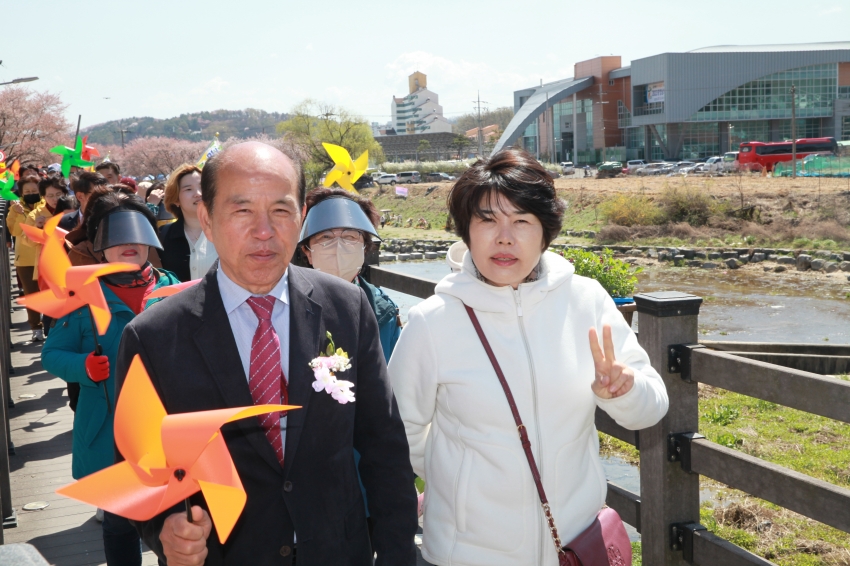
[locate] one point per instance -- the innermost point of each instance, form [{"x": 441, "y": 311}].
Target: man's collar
[{"x": 233, "y": 295}]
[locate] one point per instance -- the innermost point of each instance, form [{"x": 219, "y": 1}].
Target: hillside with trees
[
  {"x": 196, "y": 126},
  {"x": 500, "y": 116}
]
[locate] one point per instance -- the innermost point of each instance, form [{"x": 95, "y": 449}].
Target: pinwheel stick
[{"x": 98, "y": 351}]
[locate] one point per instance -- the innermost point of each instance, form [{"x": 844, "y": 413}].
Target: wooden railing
[
  {"x": 673, "y": 455},
  {"x": 7, "y": 512}
]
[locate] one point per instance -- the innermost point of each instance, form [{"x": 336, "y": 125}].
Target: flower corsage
[{"x": 325, "y": 369}]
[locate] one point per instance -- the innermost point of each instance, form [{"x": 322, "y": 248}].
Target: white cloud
[{"x": 833, "y": 10}]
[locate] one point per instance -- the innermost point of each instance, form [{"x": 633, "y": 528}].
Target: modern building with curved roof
[{"x": 685, "y": 105}]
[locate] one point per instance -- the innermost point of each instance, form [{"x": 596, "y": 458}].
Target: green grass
[{"x": 806, "y": 443}]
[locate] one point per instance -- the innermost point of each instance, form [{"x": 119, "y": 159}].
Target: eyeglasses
[{"x": 349, "y": 238}]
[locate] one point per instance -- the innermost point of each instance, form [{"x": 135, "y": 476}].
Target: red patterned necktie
[{"x": 266, "y": 380}]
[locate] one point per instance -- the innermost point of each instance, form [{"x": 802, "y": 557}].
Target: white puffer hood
[{"x": 464, "y": 284}]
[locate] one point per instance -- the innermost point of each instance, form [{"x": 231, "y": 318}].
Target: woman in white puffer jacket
[{"x": 481, "y": 506}]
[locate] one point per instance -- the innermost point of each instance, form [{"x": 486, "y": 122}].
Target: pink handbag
[{"x": 605, "y": 542}]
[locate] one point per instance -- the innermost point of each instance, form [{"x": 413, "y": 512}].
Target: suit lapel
[
  {"x": 304, "y": 344},
  {"x": 215, "y": 341}
]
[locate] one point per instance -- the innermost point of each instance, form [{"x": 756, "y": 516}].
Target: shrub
[
  {"x": 630, "y": 210},
  {"x": 686, "y": 205},
  {"x": 616, "y": 276}
]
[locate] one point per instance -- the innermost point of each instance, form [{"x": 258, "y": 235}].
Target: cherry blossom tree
[
  {"x": 31, "y": 122},
  {"x": 154, "y": 155}
]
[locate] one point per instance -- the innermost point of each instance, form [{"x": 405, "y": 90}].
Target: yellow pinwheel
[{"x": 346, "y": 172}]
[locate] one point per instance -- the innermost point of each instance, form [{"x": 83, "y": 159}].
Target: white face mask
[{"x": 340, "y": 260}]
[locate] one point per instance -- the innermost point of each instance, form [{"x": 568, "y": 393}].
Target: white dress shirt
[
  {"x": 202, "y": 255},
  {"x": 243, "y": 323}
]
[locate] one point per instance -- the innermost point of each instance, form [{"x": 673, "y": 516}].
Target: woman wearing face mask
[
  {"x": 336, "y": 235},
  {"x": 51, "y": 190},
  {"x": 26, "y": 251},
  {"x": 186, "y": 251},
  {"x": 123, "y": 231}
]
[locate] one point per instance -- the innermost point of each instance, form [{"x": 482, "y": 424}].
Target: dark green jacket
[{"x": 386, "y": 312}]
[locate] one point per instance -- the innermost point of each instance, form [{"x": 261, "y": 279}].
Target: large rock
[
  {"x": 714, "y": 255},
  {"x": 709, "y": 265},
  {"x": 757, "y": 257},
  {"x": 823, "y": 254},
  {"x": 844, "y": 266},
  {"x": 652, "y": 253},
  {"x": 700, "y": 255},
  {"x": 804, "y": 262},
  {"x": 779, "y": 269},
  {"x": 831, "y": 267},
  {"x": 663, "y": 255},
  {"x": 688, "y": 253},
  {"x": 695, "y": 263},
  {"x": 732, "y": 263},
  {"x": 817, "y": 264},
  {"x": 678, "y": 258},
  {"x": 729, "y": 255},
  {"x": 786, "y": 260}
]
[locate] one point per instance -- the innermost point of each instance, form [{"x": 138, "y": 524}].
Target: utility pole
[
  {"x": 794, "y": 131},
  {"x": 480, "y": 128}
]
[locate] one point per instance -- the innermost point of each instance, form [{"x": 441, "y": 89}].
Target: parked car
[
  {"x": 692, "y": 169},
  {"x": 730, "y": 161},
  {"x": 608, "y": 169},
  {"x": 633, "y": 165},
  {"x": 387, "y": 179},
  {"x": 567, "y": 168},
  {"x": 653, "y": 169},
  {"x": 714, "y": 164},
  {"x": 364, "y": 182},
  {"x": 439, "y": 177},
  {"x": 682, "y": 165},
  {"x": 409, "y": 177}
]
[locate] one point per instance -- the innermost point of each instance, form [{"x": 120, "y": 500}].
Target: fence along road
[{"x": 673, "y": 454}]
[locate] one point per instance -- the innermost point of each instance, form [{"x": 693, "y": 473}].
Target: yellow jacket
[
  {"x": 26, "y": 252},
  {"x": 39, "y": 210}
]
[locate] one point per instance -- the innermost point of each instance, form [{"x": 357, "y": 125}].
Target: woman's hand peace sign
[{"x": 613, "y": 379}]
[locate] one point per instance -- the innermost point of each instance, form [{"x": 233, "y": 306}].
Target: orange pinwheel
[
  {"x": 168, "y": 458},
  {"x": 70, "y": 287},
  {"x": 89, "y": 151},
  {"x": 163, "y": 292}
]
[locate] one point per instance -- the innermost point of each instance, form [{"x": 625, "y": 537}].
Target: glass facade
[
  {"x": 844, "y": 92},
  {"x": 753, "y": 130},
  {"x": 770, "y": 96},
  {"x": 529, "y": 138},
  {"x": 845, "y": 128},
  {"x": 624, "y": 117},
  {"x": 700, "y": 140},
  {"x": 806, "y": 128},
  {"x": 655, "y": 150}
]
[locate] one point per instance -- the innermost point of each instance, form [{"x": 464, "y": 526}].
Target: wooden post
[
  {"x": 7, "y": 513},
  {"x": 668, "y": 494}
]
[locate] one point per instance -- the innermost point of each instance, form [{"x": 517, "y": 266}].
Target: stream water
[{"x": 742, "y": 306}]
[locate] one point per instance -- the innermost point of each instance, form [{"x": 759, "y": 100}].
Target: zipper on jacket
[{"x": 530, "y": 359}]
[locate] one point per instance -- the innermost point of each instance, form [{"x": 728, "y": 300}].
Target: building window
[
  {"x": 845, "y": 128},
  {"x": 770, "y": 96},
  {"x": 624, "y": 117},
  {"x": 844, "y": 92},
  {"x": 610, "y": 82}
]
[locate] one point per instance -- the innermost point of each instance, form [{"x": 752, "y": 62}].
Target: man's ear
[{"x": 205, "y": 219}]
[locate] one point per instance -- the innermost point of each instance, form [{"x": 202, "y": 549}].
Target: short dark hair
[
  {"x": 67, "y": 202},
  {"x": 516, "y": 175},
  {"x": 122, "y": 188},
  {"x": 55, "y": 181},
  {"x": 87, "y": 181},
  {"x": 210, "y": 173},
  {"x": 110, "y": 201},
  {"x": 111, "y": 165}
]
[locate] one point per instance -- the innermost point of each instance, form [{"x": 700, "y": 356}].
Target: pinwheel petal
[
  {"x": 360, "y": 166},
  {"x": 118, "y": 490},
  {"x": 46, "y": 302},
  {"x": 339, "y": 155},
  {"x": 163, "y": 292},
  {"x": 226, "y": 504},
  {"x": 138, "y": 418}
]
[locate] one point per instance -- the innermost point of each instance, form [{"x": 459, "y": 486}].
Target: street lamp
[{"x": 23, "y": 80}]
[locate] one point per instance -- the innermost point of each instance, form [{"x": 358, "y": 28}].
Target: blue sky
[{"x": 163, "y": 58}]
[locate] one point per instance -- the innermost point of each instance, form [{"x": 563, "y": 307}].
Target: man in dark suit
[{"x": 245, "y": 335}]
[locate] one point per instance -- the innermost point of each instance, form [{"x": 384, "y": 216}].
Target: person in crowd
[
  {"x": 26, "y": 251},
  {"x": 187, "y": 251},
  {"x": 51, "y": 188},
  {"x": 121, "y": 230},
  {"x": 247, "y": 333},
  {"x": 130, "y": 183},
  {"x": 154, "y": 193},
  {"x": 110, "y": 170},
  {"x": 542, "y": 321},
  {"x": 73, "y": 219},
  {"x": 337, "y": 233},
  {"x": 335, "y": 239}
]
